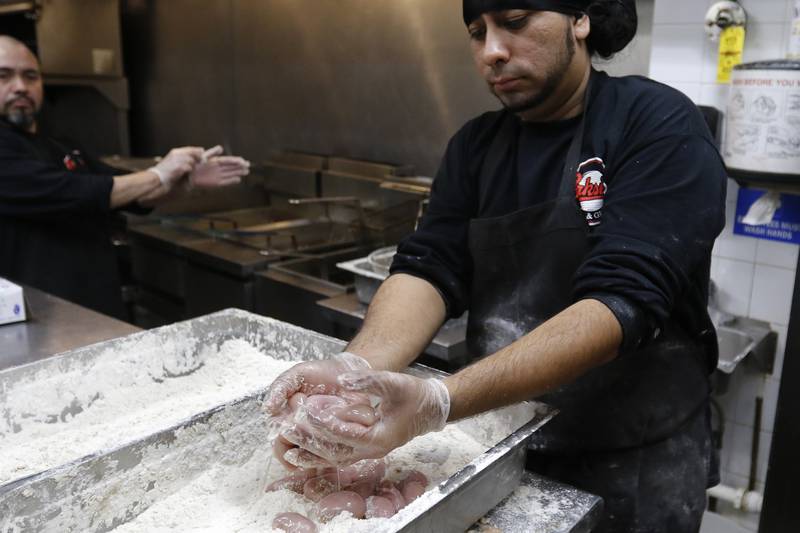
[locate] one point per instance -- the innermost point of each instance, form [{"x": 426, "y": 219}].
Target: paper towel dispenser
[{"x": 762, "y": 140}]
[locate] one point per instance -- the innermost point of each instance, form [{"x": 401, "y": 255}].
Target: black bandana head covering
[{"x": 475, "y": 8}]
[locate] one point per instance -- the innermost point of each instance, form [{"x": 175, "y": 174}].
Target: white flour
[
  {"x": 231, "y": 498},
  {"x": 122, "y": 396}
]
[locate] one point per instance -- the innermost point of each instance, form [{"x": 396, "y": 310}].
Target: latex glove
[
  {"x": 217, "y": 170},
  {"x": 313, "y": 377},
  {"x": 407, "y": 407},
  {"x": 347, "y": 406},
  {"x": 176, "y": 164}
]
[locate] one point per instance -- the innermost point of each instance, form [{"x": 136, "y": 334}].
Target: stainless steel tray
[
  {"x": 370, "y": 272},
  {"x": 111, "y": 487}
]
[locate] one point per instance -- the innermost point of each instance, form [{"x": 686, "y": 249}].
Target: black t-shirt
[
  {"x": 55, "y": 221},
  {"x": 649, "y": 259}
]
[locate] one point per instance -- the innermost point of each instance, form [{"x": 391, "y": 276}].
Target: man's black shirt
[
  {"x": 55, "y": 220},
  {"x": 649, "y": 259}
]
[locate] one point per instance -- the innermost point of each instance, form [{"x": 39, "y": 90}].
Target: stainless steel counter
[
  {"x": 54, "y": 326},
  {"x": 541, "y": 505}
]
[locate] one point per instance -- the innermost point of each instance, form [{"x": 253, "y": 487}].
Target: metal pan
[{"x": 110, "y": 487}]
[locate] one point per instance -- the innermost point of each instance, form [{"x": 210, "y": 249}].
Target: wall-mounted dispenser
[{"x": 762, "y": 142}]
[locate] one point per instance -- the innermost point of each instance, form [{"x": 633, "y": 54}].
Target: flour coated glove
[
  {"x": 216, "y": 170},
  {"x": 176, "y": 164},
  {"x": 308, "y": 386},
  {"x": 406, "y": 407},
  {"x": 351, "y": 407},
  {"x": 313, "y": 377}
]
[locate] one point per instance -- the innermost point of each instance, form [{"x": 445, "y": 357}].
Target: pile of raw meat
[{"x": 359, "y": 489}]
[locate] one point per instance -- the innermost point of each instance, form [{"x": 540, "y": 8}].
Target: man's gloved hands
[
  {"x": 350, "y": 407},
  {"x": 315, "y": 377},
  {"x": 176, "y": 164},
  {"x": 216, "y": 170},
  {"x": 407, "y": 407},
  {"x": 206, "y": 169},
  {"x": 289, "y": 391}
]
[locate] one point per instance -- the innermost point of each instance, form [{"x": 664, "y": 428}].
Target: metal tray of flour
[{"x": 111, "y": 487}]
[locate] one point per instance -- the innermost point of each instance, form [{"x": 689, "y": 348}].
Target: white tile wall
[
  {"x": 771, "y": 389},
  {"x": 734, "y": 281},
  {"x": 739, "y": 441},
  {"x": 771, "y": 300},
  {"x": 677, "y": 52},
  {"x": 780, "y": 352},
  {"x": 730, "y": 246},
  {"x": 777, "y": 254},
  {"x": 755, "y": 277},
  {"x": 685, "y": 12},
  {"x": 751, "y": 386},
  {"x": 714, "y": 523},
  {"x": 764, "y": 444}
]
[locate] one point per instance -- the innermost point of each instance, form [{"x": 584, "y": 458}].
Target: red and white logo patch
[
  {"x": 590, "y": 189},
  {"x": 73, "y": 161}
]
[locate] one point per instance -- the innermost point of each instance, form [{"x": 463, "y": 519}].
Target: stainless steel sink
[
  {"x": 744, "y": 340},
  {"x": 734, "y": 346},
  {"x": 745, "y": 337}
]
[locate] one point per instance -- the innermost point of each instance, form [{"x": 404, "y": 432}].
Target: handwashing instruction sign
[{"x": 784, "y": 225}]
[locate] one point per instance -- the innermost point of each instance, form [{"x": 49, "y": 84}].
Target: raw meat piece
[
  {"x": 339, "y": 502},
  {"x": 413, "y": 486},
  {"x": 379, "y": 507},
  {"x": 293, "y": 482},
  {"x": 411, "y": 491},
  {"x": 294, "y": 523},
  {"x": 388, "y": 490},
  {"x": 366, "y": 470},
  {"x": 318, "y": 487},
  {"x": 364, "y": 489}
]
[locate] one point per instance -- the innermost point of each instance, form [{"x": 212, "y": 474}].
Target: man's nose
[
  {"x": 495, "y": 49},
  {"x": 18, "y": 85}
]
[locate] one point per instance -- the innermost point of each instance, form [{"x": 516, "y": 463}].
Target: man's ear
[{"x": 581, "y": 26}]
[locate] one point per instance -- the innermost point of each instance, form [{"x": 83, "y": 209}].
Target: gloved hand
[
  {"x": 176, "y": 164},
  {"x": 314, "y": 377},
  {"x": 216, "y": 170},
  {"x": 346, "y": 406},
  {"x": 407, "y": 407}
]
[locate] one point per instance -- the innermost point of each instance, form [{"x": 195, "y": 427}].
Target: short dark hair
[{"x": 614, "y": 24}]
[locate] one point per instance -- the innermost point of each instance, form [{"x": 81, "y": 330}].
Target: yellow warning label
[{"x": 731, "y": 46}]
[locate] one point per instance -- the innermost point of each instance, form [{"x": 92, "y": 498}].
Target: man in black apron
[
  {"x": 576, "y": 227},
  {"x": 57, "y": 204}
]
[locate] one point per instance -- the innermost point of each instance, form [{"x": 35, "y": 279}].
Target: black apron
[{"x": 523, "y": 266}]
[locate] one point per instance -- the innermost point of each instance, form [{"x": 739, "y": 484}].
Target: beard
[
  {"x": 552, "y": 79},
  {"x": 22, "y": 118}
]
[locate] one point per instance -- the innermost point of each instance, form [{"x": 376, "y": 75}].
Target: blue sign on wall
[{"x": 785, "y": 225}]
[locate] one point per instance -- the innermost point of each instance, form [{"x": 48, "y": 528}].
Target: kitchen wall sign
[{"x": 783, "y": 224}]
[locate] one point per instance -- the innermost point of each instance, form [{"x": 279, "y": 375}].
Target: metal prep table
[
  {"x": 54, "y": 326},
  {"x": 57, "y": 325}
]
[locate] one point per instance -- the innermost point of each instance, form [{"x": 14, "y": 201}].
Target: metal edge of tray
[
  {"x": 478, "y": 487},
  {"x": 91, "y": 351},
  {"x": 110, "y": 454},
  {"x": 66, "y": 483},
  {"x": 355, "y": 267}
]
